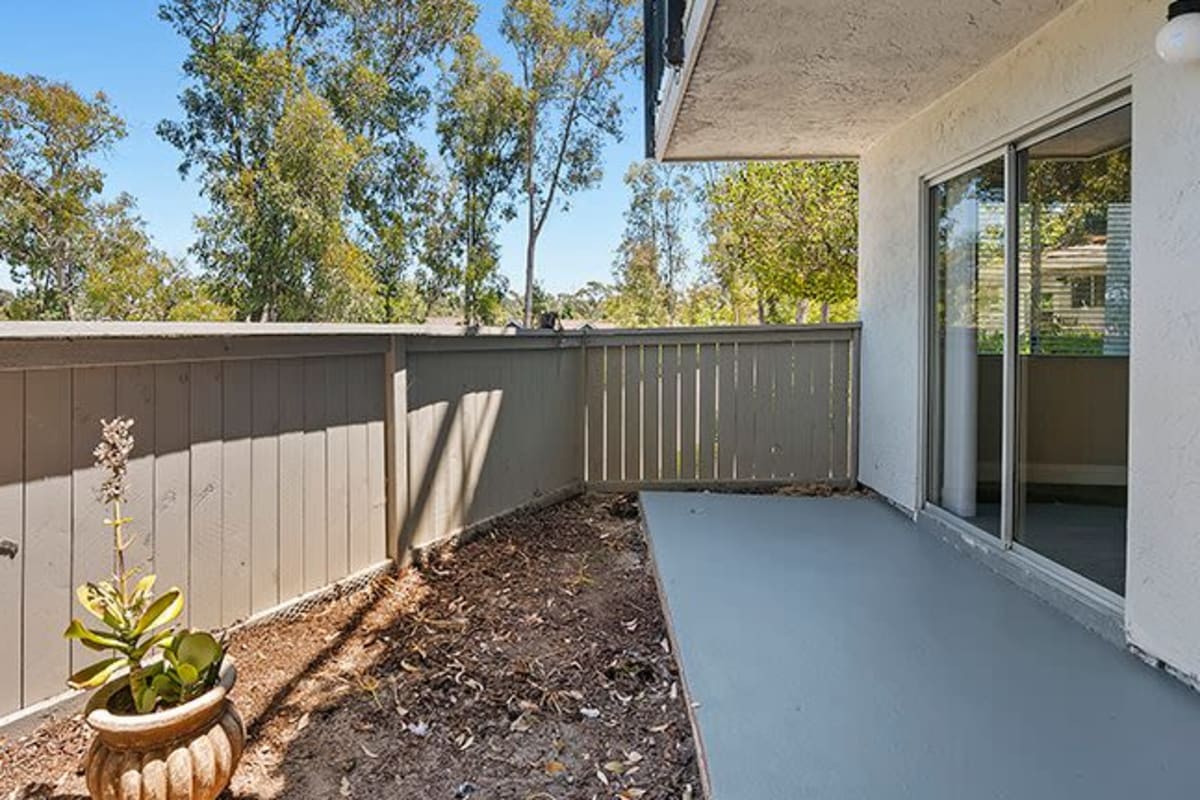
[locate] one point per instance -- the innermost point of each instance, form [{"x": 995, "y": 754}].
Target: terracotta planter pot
[{"x": 184, "y": 753}]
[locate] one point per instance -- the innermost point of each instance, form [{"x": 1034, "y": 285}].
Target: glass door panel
[
  {"x": 1073, "y": 347},
  {"x": 966, "y": 353}
]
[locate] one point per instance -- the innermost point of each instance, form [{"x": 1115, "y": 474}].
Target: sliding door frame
[{"x": 1110, "y": 99}]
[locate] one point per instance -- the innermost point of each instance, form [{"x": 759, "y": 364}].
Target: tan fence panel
[
  {"x": 491, "y": 426},
  {"x": 219, "y": 485},
  {"x": 712, "y": 406}
]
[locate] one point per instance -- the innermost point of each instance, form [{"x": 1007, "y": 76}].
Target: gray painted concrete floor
[{"x": 837, "y": 652}]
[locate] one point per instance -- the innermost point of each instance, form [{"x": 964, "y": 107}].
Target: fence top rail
[
  {"x": 178, "y": 330},
  {"x": 837, "y": 332}
]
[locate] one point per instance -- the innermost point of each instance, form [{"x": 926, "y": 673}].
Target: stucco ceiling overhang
[{"x": 825, "y": 78}]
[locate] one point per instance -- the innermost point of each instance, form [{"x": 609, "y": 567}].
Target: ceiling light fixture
[{"x": 1179, "y": 40}]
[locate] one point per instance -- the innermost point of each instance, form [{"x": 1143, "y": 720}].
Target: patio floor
[{"x": 837, "y": 652}]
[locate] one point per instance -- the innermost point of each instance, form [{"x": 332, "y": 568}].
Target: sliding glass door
[
  {"x": 1029, "y": 345},
  {"x": 968, "y": 309},
  {"x": 1073, "y": 347}
]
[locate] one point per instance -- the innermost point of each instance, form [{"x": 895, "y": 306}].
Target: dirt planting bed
[{"x": 531, "y": 663}]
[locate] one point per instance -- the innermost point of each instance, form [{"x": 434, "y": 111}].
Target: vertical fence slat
[
  {"x": 839, "y": 405},
  {"x": 264, "y": 480},
  {"x": 633, "y": 412},
  {"x": 670, "y": 412},
  {"x": 745, "y": 412},
  {"x": 594, "y": 393},
  {"x": 12, "y": 560},
  {"x": 47, "y": 530},
  {"x": 376, "y": 394},
  {"x": 136, "y": 400},
  {"x": 315, "y": 555},
  {"x": 204, "y": 555},
  {"x": 822, "y": 377},
  {"x": 651, "y": 425},
  {"x": 358, "y": 455},
  {"x": 173, "y": 478},
  {"x": 706, "y": 411},
  {"x": 93, "y": 398},
  {"x": 236, "y": 489},
  {"x": 614, "y": 381},
  {"x": 291, "y": 477},
  {"x": 687, "y": 412},
  {"x": 726, "y": 410},
  {"x": 804, "y": 418},
  {"x": 788, "y": 409},
  {"x": 337, "y": 515}
]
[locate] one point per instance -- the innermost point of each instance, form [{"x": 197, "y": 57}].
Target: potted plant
[{"x": 165, "y": 725}]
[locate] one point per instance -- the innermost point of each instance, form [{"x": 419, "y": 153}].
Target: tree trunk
[
  {"x": 531, "y": 200},
  {"x": 801, "y": 311},
  {"x": 825, "y": 313}
]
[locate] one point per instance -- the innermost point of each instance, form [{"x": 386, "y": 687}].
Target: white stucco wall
[{"x": 1092, "y": 45}]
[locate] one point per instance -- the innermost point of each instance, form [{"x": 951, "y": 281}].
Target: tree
[
  {"x": 653, "y": 239},
  {"x": 570, "y": 54},
  {"x": 785, "y": 235},
  {"x": 479, "y": 127},
  {"x": 345, "y": 72},
  {"x": 49, "y": 138},
  {"x": 133, "y": 280}
]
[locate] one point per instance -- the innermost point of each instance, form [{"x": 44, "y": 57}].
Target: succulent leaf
[
  {"x": 92, "y": 639},
  {"x": 97, "y": 674},
  {"x": 162, "y": 611}
]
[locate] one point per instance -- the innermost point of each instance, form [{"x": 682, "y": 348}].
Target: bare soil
[{"x": 531, "y": 663}]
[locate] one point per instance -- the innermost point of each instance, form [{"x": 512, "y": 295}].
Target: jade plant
[{"x": 165, "y": 666}]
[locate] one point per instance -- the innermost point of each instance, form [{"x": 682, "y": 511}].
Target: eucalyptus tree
[
  {"x": 785, "y": 234},
  {"x": 480, "y": 115},
  {"x": 570, "y": 56},
  {"x": 50, "y": 137},
  {"x": 347, "y": 76}
]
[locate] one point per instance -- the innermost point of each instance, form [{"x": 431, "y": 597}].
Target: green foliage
[
  {"x": 652, "y": 258},
  {"x": 479, "y": 126},
  {"x": 49, "y": 137},
  {"x": 297, "y": 119},
  {"x": 570, "y": 56},
  {"x": 784, "y": 236},
  {"x": 133, "y": 622}
]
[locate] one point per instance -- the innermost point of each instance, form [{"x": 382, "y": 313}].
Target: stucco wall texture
[{"x": 1092, "y": 46}]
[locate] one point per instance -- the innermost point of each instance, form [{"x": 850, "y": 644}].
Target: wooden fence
[
  {"x": 272, "y": 462},
  {"x": 721, "y": 406}
]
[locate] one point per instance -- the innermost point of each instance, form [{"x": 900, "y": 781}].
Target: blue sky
[{"x": 123, "y": 49}]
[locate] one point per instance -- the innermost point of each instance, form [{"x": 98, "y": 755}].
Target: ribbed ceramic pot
[{"x": 184, "y": 753}]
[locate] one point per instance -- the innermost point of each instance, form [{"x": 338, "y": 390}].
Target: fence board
[
  {"x": 687, "y": 411},
  {"x": 264, "y": 482},
  {"x": 822, "y": 377},
  {"x": 726, "y": 410},
  {"x": 594, "y": 399},
  {"x": 651, "y": 422},
  {"x": 707, "y": 413},
  {"x": 614, "y": 382},
  {"x": 315, "y": 556},
  {"x": 337, "y": 514},
  {"x": 633, "y": 412},
  {"x": 173, "y": 478},
  {"x": 136, "y": 400},
  {"x": 12, "y": 537},
  {"x": 670, "y": 412},
  {"x": 292, "y": 436},
  {"x": 374, "y": 386},
  {"x": 47, "y": 531},
  {"x": 93, "y": 398},
  {"x": 204, "y": 554},
  {"x": 236, "y": 489},
  {"x": 745, "y": 411},
  {"x": 358, "y": 455},
  {"x": 839, "y": 396}
]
